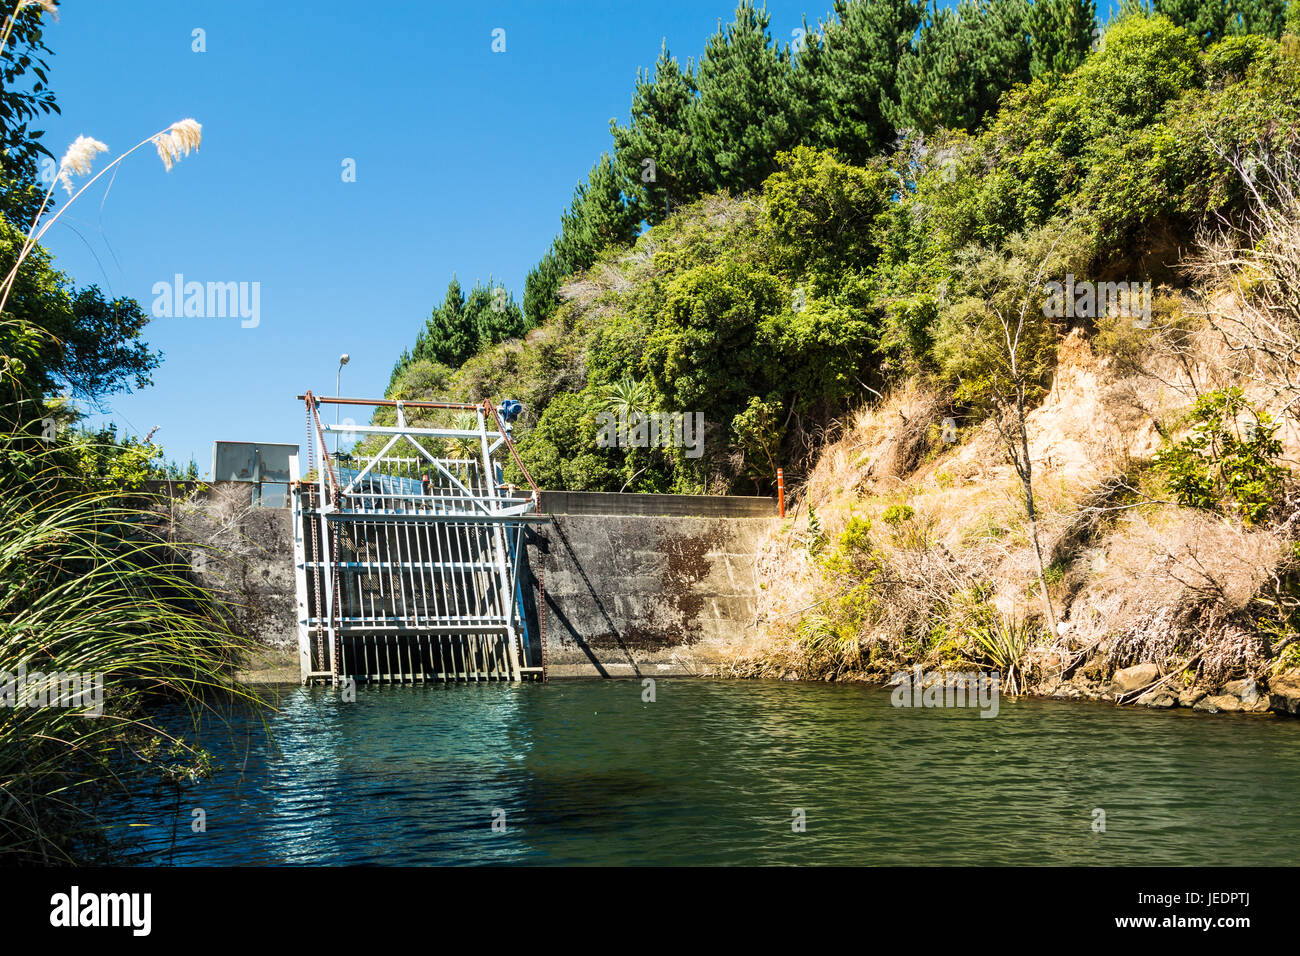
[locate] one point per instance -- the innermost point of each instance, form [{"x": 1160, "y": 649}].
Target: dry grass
[{"x": 1135, "y": 579}]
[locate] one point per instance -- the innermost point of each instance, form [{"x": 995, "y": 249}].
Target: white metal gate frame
[{"x": 456, "y": 589}]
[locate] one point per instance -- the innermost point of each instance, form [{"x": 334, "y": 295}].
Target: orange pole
[{"x": 780, "y": 492}]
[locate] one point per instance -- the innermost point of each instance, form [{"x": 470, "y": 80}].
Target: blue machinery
[{"x": 407, "y": 556}]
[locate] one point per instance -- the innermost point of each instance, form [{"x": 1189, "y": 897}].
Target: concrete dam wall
[
  {"x": 633, "y": 584},
  {"x": 242, "y": 552},
  {"x": 631, "y": 593}
]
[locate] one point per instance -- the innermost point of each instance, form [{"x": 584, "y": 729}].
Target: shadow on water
[{"x": 586, "y": 772}]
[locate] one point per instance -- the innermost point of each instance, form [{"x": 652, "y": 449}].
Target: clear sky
[{"x": 464, "y": 159}]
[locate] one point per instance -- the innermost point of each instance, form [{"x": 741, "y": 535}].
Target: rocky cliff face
[{"x": 1155, "y": 603}]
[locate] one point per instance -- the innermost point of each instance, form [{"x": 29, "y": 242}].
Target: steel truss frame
[{"x": 407, "y": 560}]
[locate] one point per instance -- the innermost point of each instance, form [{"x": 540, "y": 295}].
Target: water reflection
[{"x": 586, "y": 772}]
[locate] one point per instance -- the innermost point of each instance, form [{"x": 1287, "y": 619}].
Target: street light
[{"x": 343, "y": 360}]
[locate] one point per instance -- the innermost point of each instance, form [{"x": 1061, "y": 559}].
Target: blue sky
[{"x": 464, "y": 160}]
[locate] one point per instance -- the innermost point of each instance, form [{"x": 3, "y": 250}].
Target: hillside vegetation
[{"x": 1028, "y": 367}]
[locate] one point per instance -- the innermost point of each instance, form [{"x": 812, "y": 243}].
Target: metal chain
[{"x": 541, "y": 615}]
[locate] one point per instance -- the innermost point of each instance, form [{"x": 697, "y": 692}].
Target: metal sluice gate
[{"x": 407, "y": 557}]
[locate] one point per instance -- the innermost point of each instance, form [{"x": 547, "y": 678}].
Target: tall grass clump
[
  {"x": 87, "y": 589},
  {"x": 89, "y": 586}
]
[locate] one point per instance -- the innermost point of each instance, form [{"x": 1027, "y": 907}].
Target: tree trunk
[{"x": 1027, "y": 479}]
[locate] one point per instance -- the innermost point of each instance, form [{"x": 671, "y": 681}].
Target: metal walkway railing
[{"x": 407, "y": 555}]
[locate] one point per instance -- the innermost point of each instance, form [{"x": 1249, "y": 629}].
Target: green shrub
[
  {"x": 897, "y": 514},
  {"x": 1225, "y": 463}
]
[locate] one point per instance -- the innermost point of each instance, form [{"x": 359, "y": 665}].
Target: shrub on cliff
[{"x": 1229, "y": 459}]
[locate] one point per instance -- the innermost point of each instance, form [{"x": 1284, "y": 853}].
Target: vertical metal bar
[
  {"x": 300, "y": 570},
  {"x": 422, "y": 601},
  {"x": 327, "y": 576},
  {"x": 393, "y": 541},
  {"x": 489, "y": 479}
]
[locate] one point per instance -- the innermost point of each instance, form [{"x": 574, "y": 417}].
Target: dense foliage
[
  {"x": 1229, "y": 458},
  {"x": 845, "y": 257},
  {"x": 463, "y": 326}
]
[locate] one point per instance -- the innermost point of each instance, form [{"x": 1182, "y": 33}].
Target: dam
[{"x": 404, "y": 564}]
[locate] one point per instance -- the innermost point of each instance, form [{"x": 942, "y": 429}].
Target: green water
[{"x": 714, "y": 772}]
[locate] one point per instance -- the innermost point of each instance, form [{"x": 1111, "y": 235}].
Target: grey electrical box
[{"x": 265, "y": 465}]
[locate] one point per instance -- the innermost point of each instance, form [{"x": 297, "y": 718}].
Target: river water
[{"x": 725, "y": 772}]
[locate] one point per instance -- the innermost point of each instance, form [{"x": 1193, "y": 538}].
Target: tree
[
  {"x": 1211, "y": 20},
  {"x": 462, "y": 327},
  {"x": 822, "y": 213},
  {"x": 102, "y": 349},
  {"x": 1060, "y": 34},
  {"x": 757, "y": 432},
  {"x": 542, "y": 288},
  {"x": 653, "y": 155},
  {"x": 704, "y": 352},
  {"x": 599, "y": 216},
  {"x": 1259, "y": 17},
  {"x": 57, "y": 338},
  {"x": 1001, "y": 346},
  {"x": 448, "y": 336},
  {"x": 961, "y": 63},
  {"x": 856, "y": 73},
  {"x": 743, "y": 116},
  {"x": 493, "y": 315},
  {"x": 20, "y": 103},
  {"x": 561, "y": 451}
]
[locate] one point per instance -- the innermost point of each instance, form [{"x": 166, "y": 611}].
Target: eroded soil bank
[{"x": 907, "y": 543}]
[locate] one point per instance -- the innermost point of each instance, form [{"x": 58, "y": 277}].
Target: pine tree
[
  {"x": 962, "y": 62},
  {"x": 448, "y": 336},
  {"x": 1203, "y": 19},
  {"x": 542, "y": 288},
  {"x": 599, "y": 216},
  {"x": 857, "y": 66},
  {"x": 493, "y": 314},
  {"x": 653, "y": 156},
  {"x": 1212, "y": 20},
  {"x": 1060, "y": 34},
  {"x": 810, "y": 100},
  {"x": 1264, "y": 17},
  {"x": 742, "y": 118},
  {"x": 398, "y": 368},
  {"x": 463, "y": 326}
]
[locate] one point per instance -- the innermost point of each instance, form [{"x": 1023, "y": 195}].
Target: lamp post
[{"x": 343, "y": 360}]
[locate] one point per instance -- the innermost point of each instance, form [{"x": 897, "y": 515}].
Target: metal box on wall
[{"x": 265, "y": 465}]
